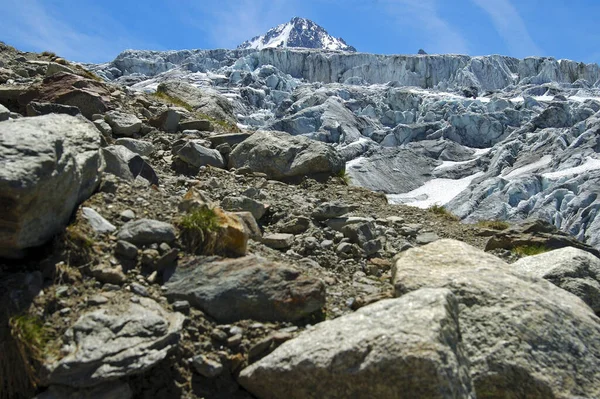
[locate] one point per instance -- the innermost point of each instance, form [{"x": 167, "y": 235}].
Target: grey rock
[
  {"x": 243, "y": 203},
  {"x": 96, "y": 300},
  {"x": 498, "y": 340},
  {"x": 126, "y": 164},
  {"x": 108, "y": 274},
  {"x": 372, "y": 247},
  {"x": 139, "y": 289},
  {"x": 297, "y": 225},
  {"x": 569, "y": 268},
  {"x": 338, "y": 224},
  {"x": 330, "y": 210},
  {"x": 206, "y": 366},
  {"x": 146, "y": 232},
  {"x": 96, "y": 221},
  {"x": 246, "y": 288},
  {"x": 37, "y": 108},
  {"x": 370, "y": 353},
  {"x": 427, "y": 238},
  {"x": 127, "y": 215},
  {"x": 104, "y": 127},
  {"x": 232, "y": 139},
  {"x": 50, "y": 164},
  {"x": 140, "y": 147},
  {"x": 360, "y": 233},
  {"x": 167, "y": 120},
  {"x": 196, "y": 155},
  {"x": 54, "y": 67},
  {"x": 123, "y": 124},
  {"x": 181, "y": 306},
  {"x": 250, "y": 225},
  {"x": 283, "y": 157},
  {"x": 126, "y": 249},
  {"x": 201, "y": 125},
  {"x": 278, "y": 240},
  {"x": 115, "y": 342}
]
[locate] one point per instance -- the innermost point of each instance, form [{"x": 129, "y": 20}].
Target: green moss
[
  {"x": 443, "y": 212},
  {"x": 198, "y": 230},
  {"x": 493, "y": 224},
  {"x": 343, "y": 175},
  {"x": 172, "y": 100},
  {"x": 530, "y": 250}
]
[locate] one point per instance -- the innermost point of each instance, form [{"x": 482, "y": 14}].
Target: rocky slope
[
  {"x": 153, "y": 248},
  {"x": 299, "y": 32}
]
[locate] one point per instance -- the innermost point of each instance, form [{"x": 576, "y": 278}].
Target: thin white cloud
[
  {"x": 228, "y": 23},
  {"x": 510, "y": 26},
  {"x": 32, "y": 25}
]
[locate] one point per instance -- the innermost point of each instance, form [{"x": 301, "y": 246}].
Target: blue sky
[{"x": 97, "y": 30}]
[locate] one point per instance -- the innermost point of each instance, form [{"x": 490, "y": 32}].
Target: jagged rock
[
  {"x": 196, "y": 155},
  {"x": 104, "y": 127},
  {"x": 295, "y": 226},
  {"x": 89, "y": 96},
  {"x": 54, "y": 67},
  {"x": 246, "y": 288},
  {"x": 114, "y": 342},
  {"x": 360, "y": 233},
  {"x": 243, "y": 203},
  {"x": 330, "y": 210},
  {"x": 36, "y": 109},
  {"x": 250, "y": 225},
  {"x": 96, "y": 221},
  {"x": 140, "y": 147},
  {"x": 167, "y": 120},
  {"x": 126, "y": 164},
  {"x": 146, "y": 232},
  {"x": 228, "y": 138},
  {"x": 508, "y": 351},
  {"x": 108, "y": 274},
  {"x": 126, "y": 249},
  {"x": 405, "y": 347},
  {"x": 208, "y": 102},
  {"x": 201, "y": 125},
  {"x": 426, "y": 238},
  {"x": 569, "y": 268},
  {"x": 51, "y": 164},
  {"x": 284, "y": 157},
  {"x": 123, "y": 124},
  {"x": 278, "y": 240},
  {"x": 207, "y": 367}
]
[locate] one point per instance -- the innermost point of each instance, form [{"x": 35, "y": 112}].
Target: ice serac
[{"x": 299, "y": 32}]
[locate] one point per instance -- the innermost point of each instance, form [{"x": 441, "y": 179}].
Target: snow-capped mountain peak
[{"x": 299, "y": 32}]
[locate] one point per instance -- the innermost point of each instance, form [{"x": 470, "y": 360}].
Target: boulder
[
  {"x": 523, "y": 336},
  {"x": 284, "y": 157},
  {"x": 330, "y": 210},
  {"x": 126, "y": 164},
  {"x": 228, "y": 138},
  {"x": 243, "y": 203},
  {"x": 196, "y": 155},
  {"x": 36, "y": 109},
  {"x": 50, "y": 164},
  {"x": 205, "y": 101},
  {"x": 90, "y": 96},
  {"x": 4, "y": 113},
  {"x": 167, "y": 120},
  {"x": 569, "y": 268},
  {"x": 123, "y": 124},
  {"x": 143, "y": 148},
  {"x": 278, "y": 240},
  {"x": 408, "y": 347},
  {"x": 114, "y": 342},
  {"x": 146, "y": 232},
  {"x": 196, "y": 124},
  {"x": 96, "y": 221},
  {"x": 246, "y": 288}
]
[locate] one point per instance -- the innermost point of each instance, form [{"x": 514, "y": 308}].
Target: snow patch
[{"x": 590, "y": 165}]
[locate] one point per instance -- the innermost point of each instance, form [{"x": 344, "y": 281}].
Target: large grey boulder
[
  {"x": 147, "y": 231},
  {"x": 196, "y": 155},
  {"x": 126, "y": 164},
  {"x": 569, "y": 268},
  {"x": 123, "y": 124},
  {"x": 523, "y": 336},
  {"x": 114, "y": 342},
  {"x": 48, "y": 165},
  {"x": 140, "y": 147},
  {"x": 284, "y": 157},
  {"x": 246, "y": 288},
  {"x": 4, "y": 113},
  {"x": 167, "y": 120},
  {"x": 205, "y": 101},
  {"x": 408, "y": 347}
]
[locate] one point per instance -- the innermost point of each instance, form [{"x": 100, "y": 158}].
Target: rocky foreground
[{"x": 151, "y": 248}]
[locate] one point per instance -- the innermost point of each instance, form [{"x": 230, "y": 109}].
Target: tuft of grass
[
  {"x": 443, "y": 212},
  {"x": 530, "y": 250},
  {"x": 78, "y": 246},
  {"x": 344, "y": 177},
  {"x": 228, "y": 126},
  {"x": 49, "y": 54},
  {"x": 198, "y": 230},
  {"x": 493, "y": 224},
  {"x": 172, "y": 100}
]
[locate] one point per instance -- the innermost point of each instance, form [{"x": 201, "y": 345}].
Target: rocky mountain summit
[
  {"x": 299, "y": 32},
  {"x": 206, "y": 224}
]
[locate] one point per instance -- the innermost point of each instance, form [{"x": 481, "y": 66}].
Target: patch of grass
[
  {"x": 530, "y": 250},
  {"x": 228, "y": 126},
  {"x": 24, "y": 348},
  {"x": 48, "y": 54},
  {"x": 493, "y": 224},
  {"x": 198, "y": 230},
  {"x": 172, "y": 100},
  {"x": 78, "y": 246},
  {"x": 344, "y": 177},
  {"x": 443, "y": 212}
]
